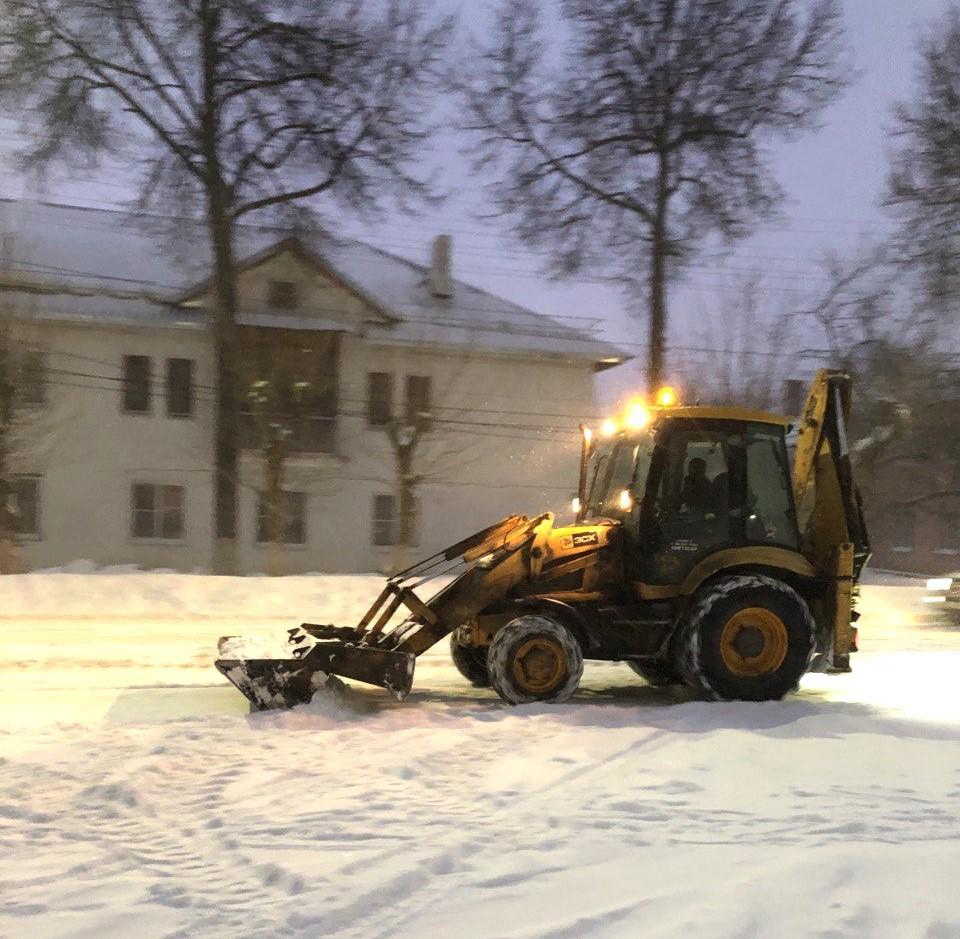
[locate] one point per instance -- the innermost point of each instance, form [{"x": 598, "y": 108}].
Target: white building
[{"x": 113, "y": 450}]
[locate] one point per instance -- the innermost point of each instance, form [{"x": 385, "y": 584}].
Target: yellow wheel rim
[
  {"x": 539, "y": 665},
  {"x": 753, "y": 642}
]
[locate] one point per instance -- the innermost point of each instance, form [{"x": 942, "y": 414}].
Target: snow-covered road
[{"x": 137, "y": 797}]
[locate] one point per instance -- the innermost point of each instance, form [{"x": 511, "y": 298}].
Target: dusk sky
[{"x": 833, "y": 178}]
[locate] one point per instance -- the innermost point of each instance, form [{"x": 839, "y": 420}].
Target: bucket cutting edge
[{"x": 287, "y": 682}]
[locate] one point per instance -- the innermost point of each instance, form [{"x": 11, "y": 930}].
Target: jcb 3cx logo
[{"x": 580, "y": 539}]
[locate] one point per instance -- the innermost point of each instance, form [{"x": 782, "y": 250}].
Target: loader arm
[
  {"x": 380, "y": 651},
  {"x": 491, "y": 564},
  {"x": 833, "y": 535}
]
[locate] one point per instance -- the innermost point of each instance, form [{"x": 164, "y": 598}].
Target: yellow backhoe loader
[{"x": 698, "y": 555}]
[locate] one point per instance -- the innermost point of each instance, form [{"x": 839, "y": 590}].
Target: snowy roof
[{"x": 112, "y": 266}]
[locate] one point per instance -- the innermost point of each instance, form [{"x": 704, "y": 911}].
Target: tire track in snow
[
  {"x": 170, "y": 849},
  {"x": 403, "y": 896}
]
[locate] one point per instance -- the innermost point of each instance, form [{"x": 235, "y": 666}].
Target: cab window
[
  {"x": 693, "y": 503},
  {"x": 770, "y": 516}
]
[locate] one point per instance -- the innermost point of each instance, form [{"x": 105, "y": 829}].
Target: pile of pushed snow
[{"x": 241, "y": 648}]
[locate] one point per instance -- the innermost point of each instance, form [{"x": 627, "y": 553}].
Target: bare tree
[
  {"x": 8, "y": 401},
  {"x": 905, "y": 426},
  {"x": 275, "y": 425},
  {"x": 290, "y": 406},
  {"x": 425, "y": 448},
  {"x": 644, "y": 135},
  {"x": 924, "y": 182},
  {"x": 21, "y": 392},
  {"x": 236, "y": 108},
  {"x": 750, "y": 350},
  {"x": 856, "y": 305}
]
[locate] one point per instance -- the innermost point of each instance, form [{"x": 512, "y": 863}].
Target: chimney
[
  {"x": 441, "y": 283},
  {"x": 794, "y": 396}
]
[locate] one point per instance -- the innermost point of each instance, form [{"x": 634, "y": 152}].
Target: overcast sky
[{"x": 833, "y": 178}]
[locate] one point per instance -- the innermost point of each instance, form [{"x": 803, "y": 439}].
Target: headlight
[{"x": 941, "y": 584}]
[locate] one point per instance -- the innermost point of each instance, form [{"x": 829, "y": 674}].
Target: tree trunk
[
  {"x": 8, "y": 557},
  {"x": 220, "y": 223},
  {"x": 225, "y": 422},
  {"x": 275, "y": 508},
  {"x": 8, "y": 548},
  {"x": 659, "y": 250},
  {"x": 407, "y": 505}
]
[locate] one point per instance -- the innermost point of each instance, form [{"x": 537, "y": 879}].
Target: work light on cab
[
  {"x": 666, "y": 397},
  {"x": 638, "y": 414}
]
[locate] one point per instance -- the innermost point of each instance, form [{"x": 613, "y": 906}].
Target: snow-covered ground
[{"x": 137, "y": 797}]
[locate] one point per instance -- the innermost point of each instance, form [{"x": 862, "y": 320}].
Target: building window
[
  {"x": 902, "y": 532},
  {"x": 379, "y": 398},
  {"x": 157, "y": 511},
  {"x": 282, "y": 295},
  {"x": 33, "y": 378},
  {"x": 179, "y": 387},
  {"x": 25, "y": 505},
  {"x": 136, "y": 384},
  {"x": 948, "y": 538},
  {"x": 293, "y": 521},
  {"x": 386, "y": 521},
  {"x": 418, "y": 400}
]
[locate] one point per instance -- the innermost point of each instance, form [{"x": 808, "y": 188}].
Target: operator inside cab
[{"x": 696, "y": 495}]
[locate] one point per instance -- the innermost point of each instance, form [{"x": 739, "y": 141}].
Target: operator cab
[{"x": 690, "y": 482}]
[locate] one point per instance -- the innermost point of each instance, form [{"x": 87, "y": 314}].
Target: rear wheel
[
  {"x": 658, "y": 674},
  {"x": 535, "y": 658},
  {"x": 470, "y": 660},
  {"x": 747, "y": 638}
]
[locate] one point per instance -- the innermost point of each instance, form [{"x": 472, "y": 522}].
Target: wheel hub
[
  {"x": 754, "y": 642},
  {"x": 538, "y": 665}
]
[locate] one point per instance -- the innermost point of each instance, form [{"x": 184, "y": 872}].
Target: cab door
[{"x": 693, "y": 500}]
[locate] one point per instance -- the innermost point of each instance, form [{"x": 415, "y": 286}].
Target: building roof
[{"x": 119, "y": 267}]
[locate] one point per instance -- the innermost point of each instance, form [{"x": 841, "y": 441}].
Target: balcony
[{"x": 309, "y": 434}]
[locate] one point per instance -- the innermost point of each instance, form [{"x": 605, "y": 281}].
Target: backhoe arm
[{"x": 829, "y": 512}]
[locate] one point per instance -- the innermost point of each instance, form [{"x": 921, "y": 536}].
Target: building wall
[
  {"x": 88, "y": 452},
  {"x": 490, "y": 451},
  {"x": 909, "y": 530},
  {"x": 319, "y": 294},
  {"x": 480, "y": 461}
]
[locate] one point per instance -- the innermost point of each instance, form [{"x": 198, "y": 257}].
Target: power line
[
  {"x": 487, "y": 428},
  {"x": 469, "y": 269}
]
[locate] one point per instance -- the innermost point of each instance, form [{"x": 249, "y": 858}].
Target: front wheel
[
  {"x": 535, "y": 658},
  {"x": 748, "y": 638}
]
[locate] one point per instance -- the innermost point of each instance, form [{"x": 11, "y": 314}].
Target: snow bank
[{"x": 129, "y": 593}]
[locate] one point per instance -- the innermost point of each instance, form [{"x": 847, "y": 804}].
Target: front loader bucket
[{"x": 278, "y": 683}]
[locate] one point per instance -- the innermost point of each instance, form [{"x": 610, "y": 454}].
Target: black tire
[
  {"x": 470, "y": 660},
  {"x": 535, "y": 658},
  {"x": 657, "y": 674},
  {"x": 730, "y": 646}
]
